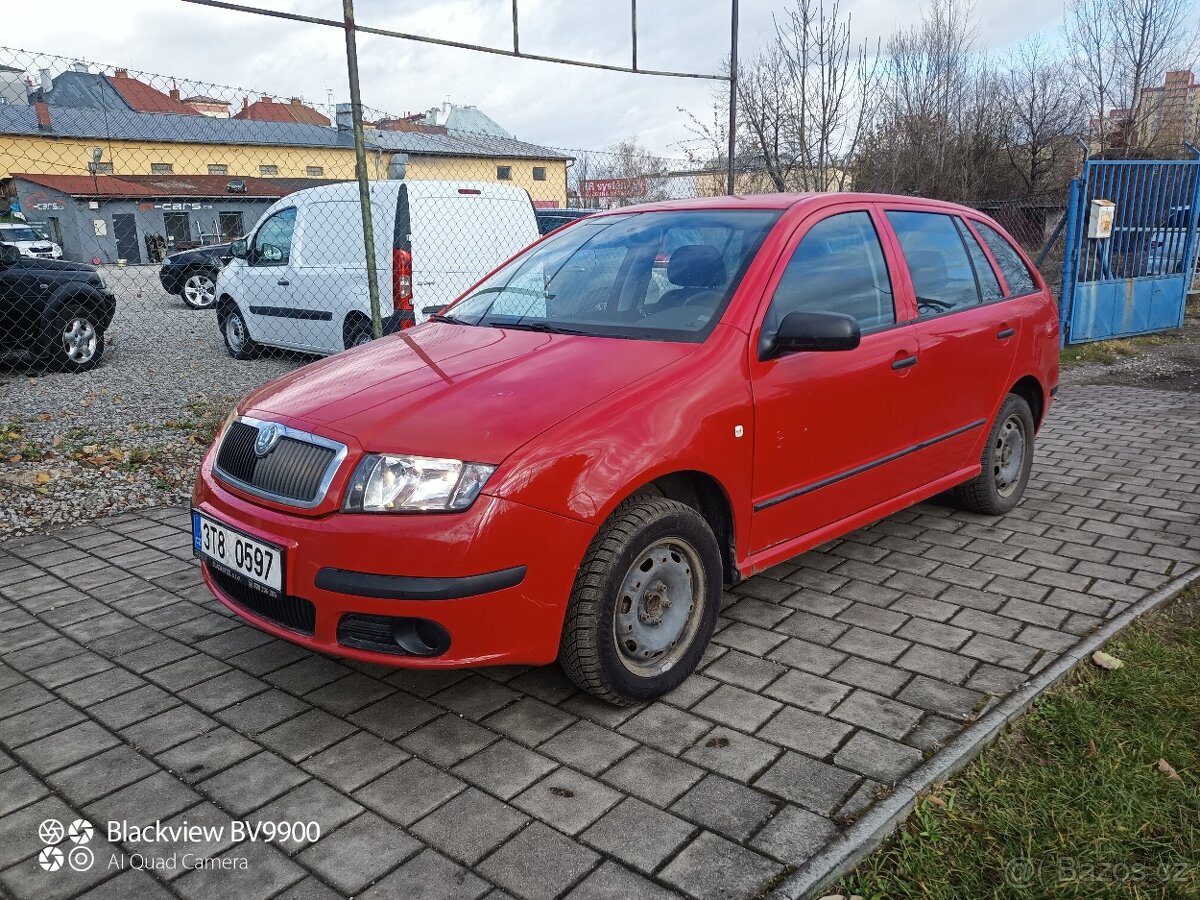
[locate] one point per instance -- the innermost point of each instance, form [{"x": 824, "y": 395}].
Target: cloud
[{"x": 544, "y": 103}]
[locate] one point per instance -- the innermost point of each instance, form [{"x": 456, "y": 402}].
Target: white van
[{"x": 299, "y": 280}]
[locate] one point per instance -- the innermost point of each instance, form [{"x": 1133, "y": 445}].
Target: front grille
[
  {"x": 295, "y": 613},
  {"x": 293, "y": 470}
]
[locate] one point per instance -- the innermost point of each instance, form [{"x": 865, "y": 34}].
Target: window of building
[
  {"x": 179, "y": 227},
  {"x": 314, "y": 171},
  {"x": 218, "y": 169},
  {"x": 504, "y": 173},
  {"x": 268, "y": 170},
  {"x": 161, "y": 168},
  {"x": 539, "y": 173},
  {"x": 100, "y": 168},
  {"x": 231, "y": 226},
  {"x": 1016, "y": 273},
  {"x": 941, "y": 271},
  {"x": 838, "y": 266}
]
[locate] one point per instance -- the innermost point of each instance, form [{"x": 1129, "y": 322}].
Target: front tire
[
  {"x": 645, "y": 602},
  {"x": 1006, "y": 462},
  {"x": 237, "y": 335},
  {"x": 75, "y": 342},
  {"x": 199, "y": 290}
]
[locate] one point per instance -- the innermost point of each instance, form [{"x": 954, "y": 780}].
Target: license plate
[{"x": 238, "y": 555}]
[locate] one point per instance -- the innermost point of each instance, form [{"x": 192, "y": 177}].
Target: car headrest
[{"x": 696, "y": 266}]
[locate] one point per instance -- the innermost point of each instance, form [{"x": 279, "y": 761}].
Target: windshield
[
  {"x": 20, "y": 233},
  {"x": 651, "y": 276}
]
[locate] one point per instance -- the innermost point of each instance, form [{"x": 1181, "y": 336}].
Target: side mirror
[
  {"x": 816, "y": 331},
  {"x": 239, "y": 249},
  {"x": 9, "y": 254}
]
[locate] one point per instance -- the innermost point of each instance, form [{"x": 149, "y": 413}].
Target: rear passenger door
[{"x": 967, "y": 333}]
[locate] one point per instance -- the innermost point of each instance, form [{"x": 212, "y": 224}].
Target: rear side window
[
  {"x": 989, "y": 285},
  {"x": 941, "y": 271},
  {"x": 1016, "y": 273},
  {"x": 838, "y": 266}
]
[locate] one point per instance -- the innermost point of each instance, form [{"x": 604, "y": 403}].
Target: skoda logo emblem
[{"x": 268, "y": 437}]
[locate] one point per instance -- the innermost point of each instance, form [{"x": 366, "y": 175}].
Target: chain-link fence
[{"x": 168, "y": 245}]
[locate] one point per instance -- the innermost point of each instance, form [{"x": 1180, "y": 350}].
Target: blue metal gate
[{"x": 1136, "y": 280}]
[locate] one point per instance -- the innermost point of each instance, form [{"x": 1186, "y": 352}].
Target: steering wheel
[{"x": 927, "y": 304}]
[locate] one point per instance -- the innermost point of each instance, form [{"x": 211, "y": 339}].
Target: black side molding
[{"x": 413, "y": 587}]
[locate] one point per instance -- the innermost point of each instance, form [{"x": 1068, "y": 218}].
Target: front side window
[
  {"x": 942, "y": 276},
  {"x": 273, "y": 240},
  {"x": 838, "y": 266},
  {"x": 1016, "y": 273},
  {"x": 646, "y": 276}
]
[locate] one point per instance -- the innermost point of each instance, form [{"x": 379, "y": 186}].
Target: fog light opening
[{"x": 420, "y": 637}]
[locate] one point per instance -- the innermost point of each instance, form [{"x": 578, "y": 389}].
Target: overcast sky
[{"x": 540, "y": 102}]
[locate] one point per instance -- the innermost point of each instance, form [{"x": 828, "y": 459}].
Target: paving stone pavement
[{"x": 128, "y": 693}]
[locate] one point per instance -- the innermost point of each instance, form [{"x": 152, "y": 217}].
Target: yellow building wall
[
  {"x": 466, "y": 168},
  {"x": 70, "y": 156}
]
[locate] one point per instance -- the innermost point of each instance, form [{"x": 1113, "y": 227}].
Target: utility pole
[{"x": 360, "y": 168}]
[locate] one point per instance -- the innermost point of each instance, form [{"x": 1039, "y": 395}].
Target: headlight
[{"x": 384, "y": 483}]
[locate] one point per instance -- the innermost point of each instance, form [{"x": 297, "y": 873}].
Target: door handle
[
  {"x": 904, "y": 362},
  {"x": 283, "y": 281},
  {"x": 1005, "y": 333}
]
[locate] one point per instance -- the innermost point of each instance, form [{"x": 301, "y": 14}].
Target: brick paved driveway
[{"x": 128, "y": 693}]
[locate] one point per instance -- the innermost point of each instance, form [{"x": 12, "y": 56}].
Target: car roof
[{"x": 787, "y": 201}]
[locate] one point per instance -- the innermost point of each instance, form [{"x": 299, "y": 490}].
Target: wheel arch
[
  {"x": 353, "y": 319},
  {"x": 1030, "y": 389},
  {"x": 82, "y": 295},
  {"x": 703, "y": 493}
]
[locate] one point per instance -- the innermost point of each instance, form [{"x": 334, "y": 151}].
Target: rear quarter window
[{"x": 1012, "y": 266}]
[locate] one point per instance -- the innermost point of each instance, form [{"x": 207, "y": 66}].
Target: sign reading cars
[{"x": 608, "y": 188}]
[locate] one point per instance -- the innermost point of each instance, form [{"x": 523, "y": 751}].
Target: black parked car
[
  {"x": 192, "y": 274},
  {"x": 55, "y": 310},
  {"x": 550, "y": 219}
]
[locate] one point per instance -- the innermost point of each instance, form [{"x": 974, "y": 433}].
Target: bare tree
[
  {"x": 1042, "y": 109},
  {"x": 1121, "y": 49}
]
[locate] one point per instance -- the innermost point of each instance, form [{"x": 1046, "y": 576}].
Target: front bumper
[
  {"x": 171, "y": 278},
  {"x": 496, "y": 578}
]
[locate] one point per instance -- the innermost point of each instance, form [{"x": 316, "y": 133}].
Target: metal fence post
[
  {"x": 733, "y": 89},
  {"x": 360, "y": 168},
  {"x": 1070, "y": 263}
]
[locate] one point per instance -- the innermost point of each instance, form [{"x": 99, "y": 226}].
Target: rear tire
[
  {"x": 1006, "y": 462},
  {"x": 75, "y": 340},
  {"x": 645, "y": 602},
  {"x": 237, "y": 335},
  {"x": 357, "y": 332}
]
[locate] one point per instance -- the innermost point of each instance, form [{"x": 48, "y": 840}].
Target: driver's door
[
  {"x": 833, "y": 431},
  {"x": 266, "y": 296}
]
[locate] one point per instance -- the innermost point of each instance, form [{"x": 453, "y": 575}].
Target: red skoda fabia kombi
[{"x": 571, "y": 460}]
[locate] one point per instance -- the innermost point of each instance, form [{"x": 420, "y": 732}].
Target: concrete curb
[{"x": 848, "y": 849}]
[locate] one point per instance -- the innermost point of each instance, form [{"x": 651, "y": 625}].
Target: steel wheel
[
  {"x": 659, "y": 606},
  {"x": 79, "y": 340},
  {"x": 199, "y": 291},
  {"x": 1009, "y": 457},
  {"x": 235, "y": 333}
]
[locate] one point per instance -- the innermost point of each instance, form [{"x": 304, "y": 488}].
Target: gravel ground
[
  {"x": 129, "y": 433},
  {"x": 1169, "y": 361}
]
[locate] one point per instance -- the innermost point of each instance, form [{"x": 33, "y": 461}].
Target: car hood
[
  {"x": 458, "y": 391},
  {"x": 212, "y": 251},
  {"x": 56, "y": 265}
]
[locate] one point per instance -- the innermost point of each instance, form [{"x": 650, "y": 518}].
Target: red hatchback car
[{"x": 572, "y": 459}]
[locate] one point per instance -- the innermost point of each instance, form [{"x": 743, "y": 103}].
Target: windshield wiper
[
  {"x": 442, "y": 317},
  {"x": 544, "y": 327}
]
